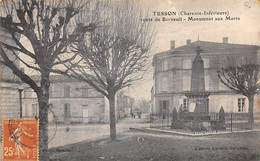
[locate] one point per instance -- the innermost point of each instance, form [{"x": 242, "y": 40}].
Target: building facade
[
  {"x": 71, "y": 101},
  {"x": 172, "y": 76},
  {"x": 9, "y": 84},
  {"x": 124, "y": 105}
]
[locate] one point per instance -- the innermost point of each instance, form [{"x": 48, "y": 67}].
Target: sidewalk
[{"x": 176, "y": 132}]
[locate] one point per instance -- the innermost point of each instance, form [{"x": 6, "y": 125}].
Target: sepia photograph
[{"x": 129, "y": 80}]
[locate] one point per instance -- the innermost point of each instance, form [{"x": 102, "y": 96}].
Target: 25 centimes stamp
[{"x": 20, "y": 140}]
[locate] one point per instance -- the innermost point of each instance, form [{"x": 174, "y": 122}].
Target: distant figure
[
  {"x": 181, "y": 112},
  {"x": 139, "y": 114},
  {"x": 132, "y": 115},
  {"x": 181, "y": 108}
]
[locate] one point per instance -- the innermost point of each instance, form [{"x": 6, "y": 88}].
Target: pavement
[
  {"x": 182, "y": 133},
  {"x": 142, "y": 146},
  {"x": 61, "y": 135}
]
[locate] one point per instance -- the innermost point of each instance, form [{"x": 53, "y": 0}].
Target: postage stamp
[{"x": 20, "y": 139}]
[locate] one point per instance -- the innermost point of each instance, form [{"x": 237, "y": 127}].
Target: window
[
  {"x": 186, "y": 104},
  {"x": 34, "y": 109},
  {"x": 164, "y": 84},
  {"x": 241, "y": 104},
  {"x": 186, "y": 83},
  {"x": 214, "y": 62},
  {"x": 207, "y": 105},
  {"x": 206, "y": 62},
  {"x": 27, "y": 93},
  {"x": 66, "y": 91},
  {"x": 186, "y": 63},
  {"x": 158, "y": 81},
  {"x": 164, "y": 65},
  {"x": 66, "y": 110},
  {"x": 206, "y": 83}
]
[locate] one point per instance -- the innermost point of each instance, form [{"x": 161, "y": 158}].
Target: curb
[{"x": 152, "y": 130}]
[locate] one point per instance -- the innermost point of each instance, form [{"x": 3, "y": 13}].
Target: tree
[
  {"x": 242, "y": 76},
  {"x": 116, "y": 54},
  {"x": 49, "y": 27}
]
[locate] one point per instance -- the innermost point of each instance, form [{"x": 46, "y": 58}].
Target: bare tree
[
  {"x": 242, "y": 76},
  {"x": 40, "y": 32},
  {"x": 116, "y": 54}
]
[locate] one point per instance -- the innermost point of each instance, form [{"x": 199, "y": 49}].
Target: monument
[{"x": 197, "y": 93}]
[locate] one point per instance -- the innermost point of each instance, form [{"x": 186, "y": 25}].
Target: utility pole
[{"x": 21, "y": 103}]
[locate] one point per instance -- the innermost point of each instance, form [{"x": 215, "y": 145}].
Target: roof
[
  {"x": 206, "y": 45},
  {"x": 37, "y": 78},
  {"x": 56, "y": 78},
  {"x": 6, "y": 75},
  {"x": 209, "y": 46}
]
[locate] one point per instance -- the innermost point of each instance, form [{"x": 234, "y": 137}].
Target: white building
[{"x": 172, "y": 76}]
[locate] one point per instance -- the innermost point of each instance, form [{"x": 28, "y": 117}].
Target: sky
[{"x": 242, "y": 31}]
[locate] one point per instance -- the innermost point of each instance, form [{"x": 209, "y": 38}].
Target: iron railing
[{"x": 232, "y": 122}]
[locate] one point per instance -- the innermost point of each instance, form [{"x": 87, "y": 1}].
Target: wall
[
  {"x": 85, "y": 105},
  {"x": 178, "y": 74},
  {"x": 229, "y": 103},
  {"x": 9, "y": 101}
]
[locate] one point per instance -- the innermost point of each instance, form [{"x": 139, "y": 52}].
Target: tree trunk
[
  {"x": 112, "y": 117},
  {"x": 43, "y": 99},
  {"x": 251, "y": 109},
  {"x": 43, "y": 128}
]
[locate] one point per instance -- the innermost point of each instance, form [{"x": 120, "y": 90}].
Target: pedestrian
[{"x": 181, "y": 112}]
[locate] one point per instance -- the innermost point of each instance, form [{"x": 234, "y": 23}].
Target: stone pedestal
[{"x": 201, "y": 111}]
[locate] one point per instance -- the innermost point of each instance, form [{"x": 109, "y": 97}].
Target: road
[
  {"x": 69, "y": 134},
  {"x": 142, "y": 146}
]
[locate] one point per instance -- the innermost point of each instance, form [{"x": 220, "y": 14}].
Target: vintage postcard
[{"x": 129, "y": 80}]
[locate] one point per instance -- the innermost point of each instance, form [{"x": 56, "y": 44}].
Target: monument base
[
  {"x": 197, "y": 126},
  {"x": 193, "y": 116},
  {"x": 216, "y": 125}
]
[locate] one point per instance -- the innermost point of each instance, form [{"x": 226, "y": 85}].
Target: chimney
[
  {"x": 225, "y": 40},
  {"x": 188, "y": 41},
  {"x": 172, "y": 44}
]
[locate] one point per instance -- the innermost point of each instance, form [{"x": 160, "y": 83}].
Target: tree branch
[{"x": 18, "y": 72}]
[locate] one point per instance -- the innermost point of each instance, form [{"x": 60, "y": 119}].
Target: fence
[
  {"x": 234, "y": 121},
  {"x": 158, "y": 121},
  {"x": 231, "y": 122}
]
